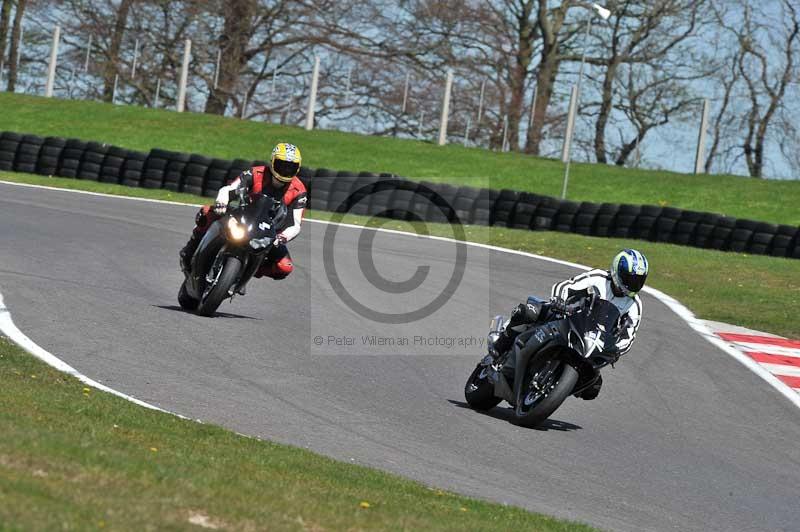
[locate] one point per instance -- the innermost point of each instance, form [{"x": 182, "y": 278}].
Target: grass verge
[
  {"x": 140, "y": 128},
  {"x": 75, "y": 458},
  {"x": 754, "y": 291}
]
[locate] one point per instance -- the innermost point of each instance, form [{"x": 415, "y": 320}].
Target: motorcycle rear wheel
[
  {"x": 220, "y": 291},
  {"x": 558, "y": 389},
  {"x": 479, "y": 392}
]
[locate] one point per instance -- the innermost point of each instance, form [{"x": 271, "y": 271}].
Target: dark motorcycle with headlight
[
  {"x": 231, "y": 252},
  {"x": 549, "y": 361}
]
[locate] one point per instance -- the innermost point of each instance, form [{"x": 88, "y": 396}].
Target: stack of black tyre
[{"x": 389, "y": 196}]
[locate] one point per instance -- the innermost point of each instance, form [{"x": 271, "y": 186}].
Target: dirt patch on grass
[{"x": 199, "y": 518}]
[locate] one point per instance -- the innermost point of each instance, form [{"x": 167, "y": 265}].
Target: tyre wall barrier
[{"x": 390, "y": 196}]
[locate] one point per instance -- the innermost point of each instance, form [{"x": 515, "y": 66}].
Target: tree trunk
[
  {"x": 603, "y": 114},
  {"x": 5, "y": 15},
  {"x": 112, "y": 68},
  {"x": 14, "y": 50},
  {"x": 758, "y": 164},
  {"x": 519, "y": 73},
  {"x": 233, "y": 42},
  {"x": 629, "y": 147},
  {"x": 545, "y": 80},
  {"x": 515, "y": 109}
]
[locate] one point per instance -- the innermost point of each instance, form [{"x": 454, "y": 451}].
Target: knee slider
[{"x": 284, "y": 266}]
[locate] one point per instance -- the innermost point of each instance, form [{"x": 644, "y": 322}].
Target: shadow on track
[
  {"x": 505, "y": 414},
  {"x": 217, "y": 315}
]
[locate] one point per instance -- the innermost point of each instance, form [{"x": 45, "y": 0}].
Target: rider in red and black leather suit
[{"x": 278, "y": 180}]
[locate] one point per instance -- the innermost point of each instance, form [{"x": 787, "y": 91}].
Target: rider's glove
[
  {"x": 558, "y": 305},
  {"x": 259, "y": 243},
  {"x": 220, "y": 208}
]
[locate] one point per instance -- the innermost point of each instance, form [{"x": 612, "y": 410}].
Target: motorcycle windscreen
[
  {"x": 598, "y": 325},
  {"x": 264, "y": 214}
]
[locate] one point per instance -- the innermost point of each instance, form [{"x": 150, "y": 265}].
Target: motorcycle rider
[
  {"x": 280, "y": 180},
  {"x": 618, "y": 285}
]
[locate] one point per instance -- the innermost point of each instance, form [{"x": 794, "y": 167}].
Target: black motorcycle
[
  {"x": 549, "y": 361},
  {"x": 231, "y": 251}
]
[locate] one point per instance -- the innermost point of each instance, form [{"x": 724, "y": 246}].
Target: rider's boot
[
  {"x": 187, "y": 252},
  {"x": 242, "y": 289}
]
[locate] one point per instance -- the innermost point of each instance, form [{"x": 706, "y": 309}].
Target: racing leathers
[
  {"x": 526, "y": 314},
  {"x": 257, "y": 180}
]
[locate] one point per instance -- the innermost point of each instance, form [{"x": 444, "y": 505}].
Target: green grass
[
  {"x": 70, "y": 459},
  {"x": 78, "y": 459},
  {"x": 754, "y": 291},
  {"x": 142, "y": 129}
]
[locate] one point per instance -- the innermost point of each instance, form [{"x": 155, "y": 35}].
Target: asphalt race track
[{"x": 682, "y": 437}]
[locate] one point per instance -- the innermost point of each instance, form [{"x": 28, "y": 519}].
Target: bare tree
[
  {"x": 656, "y": 37},
  {"x": 555, "y": 34},
  {"x": 258, "y": 38},
  {"x": 239, "y": 17},
  {"x": 767, "y": 37},
  {"x": 13, "y": 53},
  {"x": 650, "y": 99},
  {"x": 726, "y": 79},
  {"x": 120, "y": 18},
  {"x": 5, "y": 16}
]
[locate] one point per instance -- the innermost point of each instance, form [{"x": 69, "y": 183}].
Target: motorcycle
[
  {"x": 231, "y": 252},
  {"x": 549, "y": 361}
]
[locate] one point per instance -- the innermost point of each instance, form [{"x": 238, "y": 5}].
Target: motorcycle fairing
[{"x": 536, "y": 342}]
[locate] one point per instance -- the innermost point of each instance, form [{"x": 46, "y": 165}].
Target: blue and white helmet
[{"x": 629, "y": 271}]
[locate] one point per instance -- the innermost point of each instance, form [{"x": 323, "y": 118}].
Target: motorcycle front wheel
[
  {"x": 186, "y": 301},
  {"x": 548, "y": 383},
  {"x": 479, "y": 392},
  {"x": 219, "y": 291}
]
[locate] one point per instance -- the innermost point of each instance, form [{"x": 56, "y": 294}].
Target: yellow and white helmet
[{"x": 285, "y": 163}]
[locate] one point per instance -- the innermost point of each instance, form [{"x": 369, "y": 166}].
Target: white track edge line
[
  {"x": 10, "y": 330},
  {"x": 673, "y": 304}
]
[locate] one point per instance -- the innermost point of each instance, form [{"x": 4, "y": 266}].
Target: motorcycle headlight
[{"x": 236, "y": 230}]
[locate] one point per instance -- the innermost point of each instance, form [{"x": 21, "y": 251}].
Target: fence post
[
  {"x": 565, "y": 153},
  {"x": 466, "y": 133},
  {"x": 19, "y": 48},
  {"x": 289, "y": 109},
  {"x": 187, "y": 50},
  {"x": 244, "y": 106},
  {"x": 504, "y": 146},
  {"x": 51, "y": 70},
  {"x": 573, "y": 106},
  {"x": 312, "y": 97},
  {"x": 274, "y": 77},
  {"x": 114, "y": 93},
  {"x": 216, "y": 68},
  {"x": 480, "y": 104},
  {"x": 405, "y": 93},
  {"x": 135, "y": 58},
  {"x": 700, "y": 156},
  {"x": 158, "y": 92},
  {"x": 421, "y": 119},
  {"x": 88, "y": 53},
  {"x": 445, "y": 108}
]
